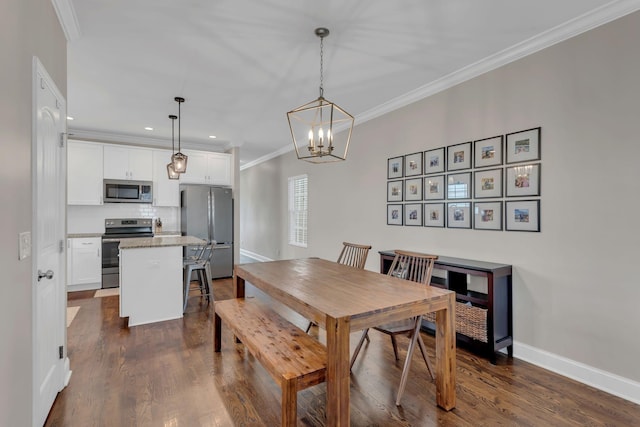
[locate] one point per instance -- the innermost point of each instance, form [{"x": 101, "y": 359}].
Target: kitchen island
[{"x": 151, "y": 278}]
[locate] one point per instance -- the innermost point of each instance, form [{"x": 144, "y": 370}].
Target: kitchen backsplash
[{"x": 90, "y": 219}]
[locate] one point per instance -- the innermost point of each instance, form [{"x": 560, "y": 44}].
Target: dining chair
[
  {"x": 416, "y": 267},
  {"x": 354, "y": 255},
  {"x": 200, "y": 263}
]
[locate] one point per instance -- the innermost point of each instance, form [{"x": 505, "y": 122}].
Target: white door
[{"x": 48, "y": 228}]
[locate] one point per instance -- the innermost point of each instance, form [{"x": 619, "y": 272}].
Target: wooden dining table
[{"x": 342, "y": 299}]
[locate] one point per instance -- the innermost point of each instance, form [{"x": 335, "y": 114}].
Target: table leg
[
  {"x": 338, "y": 380},
  {"x": 446, "y": 355},
  {"x": 239, "y": 285}
]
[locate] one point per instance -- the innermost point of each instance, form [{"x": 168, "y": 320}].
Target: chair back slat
[
  {"x": 353, "y": 254},
  {"x": 413, "y": 266}
]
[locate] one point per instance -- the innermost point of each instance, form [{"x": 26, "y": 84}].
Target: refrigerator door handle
[{"x": 210, "y": 207}]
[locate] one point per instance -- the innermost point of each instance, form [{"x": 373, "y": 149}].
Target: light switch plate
[{"x": 25, "y": 245}]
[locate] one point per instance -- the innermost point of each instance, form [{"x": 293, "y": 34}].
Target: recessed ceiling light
[
  {"x": 148, "y": 128},
  {"x": 212, "y": 136},
  {"x": 69, "y": 118}
]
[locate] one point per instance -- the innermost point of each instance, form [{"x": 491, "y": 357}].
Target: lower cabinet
[
  {"x": 84, "y": 263},
  {"x": 484, "y": 308}
]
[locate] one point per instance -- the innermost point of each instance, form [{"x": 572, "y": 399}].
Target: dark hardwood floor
[{"x": 166, "y": 374}]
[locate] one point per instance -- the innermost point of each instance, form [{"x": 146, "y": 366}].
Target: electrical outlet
[{"x": 25, "y": 245}]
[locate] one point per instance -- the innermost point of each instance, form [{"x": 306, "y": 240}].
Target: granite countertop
[
  {"x": 80, "y": 235},
  {"x": 158, "y": 242}
]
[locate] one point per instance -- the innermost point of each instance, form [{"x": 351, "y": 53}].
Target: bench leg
[
  {"x": 289, "y": 403},
  {"x": 217, "y": 333}
]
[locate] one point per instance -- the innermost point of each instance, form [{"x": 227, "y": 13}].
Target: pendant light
[
  {"x": 314, "y": 125},
  {"x": 170, "y": 170},
  {"x": 179, "y": 160}
]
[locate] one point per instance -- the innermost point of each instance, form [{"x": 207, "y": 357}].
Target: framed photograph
[
  {"x": 487, "y": 183},
  {"x": 523, "y": 180},
  {"x": 523, "y": 146},
  {"x": 459, "y": 185},
  {"x": 413, "y": 189},
  {"x": 487, "y": 152},
  {"x": 522, "y": 215},
  {"x": 459, "y": 215},
  {"x": 394, "y": 214},
  {"x": 487, "y": 215},
  {"x": 434, "y": 161},
  {"x": 394, "y": 167},
  {"x": 459, "y": 156},
  {"x": 434, "y": 187},
  {"x": 413, "y": 214},
  {"x": 413, "y": 164},
  {"x": 394, "y": 191},
  {"x": 434, "y": 215}
]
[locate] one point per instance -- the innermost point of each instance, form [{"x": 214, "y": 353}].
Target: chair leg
[
  {"x": 407, "y": 362},
  {"x": 365, "y": 334},
  {"x": 209, "y": 281},
  {"x": 423, "y": 350},
  {"x": 395, "y": 346},
  {"x": 187, "y": 284}
]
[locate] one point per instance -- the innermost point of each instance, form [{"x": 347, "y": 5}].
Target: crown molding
[
  {"x": 562, "y": 32},
  {"x": 68, "y": 19},
  {"x": 267, "y": 157},
  {"x": 144, "y": 141}
]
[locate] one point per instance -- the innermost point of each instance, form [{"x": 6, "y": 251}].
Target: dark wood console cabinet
[{"x": 484, "y": 313}]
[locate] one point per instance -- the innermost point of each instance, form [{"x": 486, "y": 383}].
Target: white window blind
[{"x": 298, "y": 210}]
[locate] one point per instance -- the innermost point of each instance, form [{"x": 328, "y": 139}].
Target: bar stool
[{"x": 200, "y": 263}]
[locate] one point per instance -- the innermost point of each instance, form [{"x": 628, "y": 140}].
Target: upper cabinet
[
  {"x": 207, "y": 168},
  {"x": 128, "y": 163},
  {"x": 84, "y": 173},
  {"x": 166, "y": 192}
]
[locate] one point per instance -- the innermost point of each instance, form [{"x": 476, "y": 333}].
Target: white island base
[{"x": 151, "y": 278}]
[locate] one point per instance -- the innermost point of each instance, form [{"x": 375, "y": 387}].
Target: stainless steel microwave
[{"x": 122, "y": 191}]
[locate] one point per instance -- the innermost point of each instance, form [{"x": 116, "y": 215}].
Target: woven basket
[{"x": 470, "y": 321}]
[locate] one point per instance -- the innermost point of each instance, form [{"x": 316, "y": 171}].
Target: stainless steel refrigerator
[{"x": 207, "y": 213}]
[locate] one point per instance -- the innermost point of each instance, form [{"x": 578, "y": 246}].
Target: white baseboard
[
  {"x": 254, "y": 255},
  {"x": 67, "y": 372},
  {"x": 602, "y": 380}
]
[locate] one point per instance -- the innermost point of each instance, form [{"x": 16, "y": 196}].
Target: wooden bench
[{"x": 294, "y": 359}]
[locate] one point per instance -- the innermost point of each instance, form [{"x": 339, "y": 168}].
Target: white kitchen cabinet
[
  {"x": 128, "y": 163},
  {"x": 166, "y": 192},
  {"x": 207, "y": 168},
  {"x": 84, "y": 173},
  {"x": 84, "y": 263}
]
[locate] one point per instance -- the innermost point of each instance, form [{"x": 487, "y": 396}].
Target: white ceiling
[{"x": 242, "y": 64}]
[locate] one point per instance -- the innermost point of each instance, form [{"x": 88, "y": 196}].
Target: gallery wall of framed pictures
[{"x": 485, "y": 184}]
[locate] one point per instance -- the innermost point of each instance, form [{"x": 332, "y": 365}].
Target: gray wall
[
  {"x": 576, "y": 290},
  {"x": 27, "y": 28}
]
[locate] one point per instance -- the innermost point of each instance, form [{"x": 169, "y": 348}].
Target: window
[{"x": 298, "y": 207}]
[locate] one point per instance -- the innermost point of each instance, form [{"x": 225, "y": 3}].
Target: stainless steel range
[{"x": 115, "y": 230}]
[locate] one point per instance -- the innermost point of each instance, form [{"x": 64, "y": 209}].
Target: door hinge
[
  {"x": 62, "y": 135},
  {"x": 61, "y": 351},
  {"x": 61, "y": 246}
]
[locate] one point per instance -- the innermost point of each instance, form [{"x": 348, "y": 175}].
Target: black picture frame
[
  {"x": 413, "y": 190},
  {"x": 487, "y": 215},
  {"x": 523, "y": 180},
  {"x": 395, "y": 167},
  {"x": 459, "y": 215},
  {"x": 413, "y": 164},
  {"x": 459, "y": 186},
  {"x": 459, "y": 156},
  {"x": 523, "y": 146},
  {"x": 434, "y": 215},
  {"x": 435, "y": 161},
  {"x": 487, "y": 183},
  {"x": 395, "y": 191},
  {"x": 413, "y": 214},
  {"x": 395, "y": 214},
  {"x": 522, "y": 215},
  {"x": 488, "y": 152}
]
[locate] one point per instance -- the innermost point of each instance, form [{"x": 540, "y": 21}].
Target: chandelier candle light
[
  {"x": 170, "y": 170},
  {"x": 178, "y": 159},
  {"x": 314, "y": 125}
]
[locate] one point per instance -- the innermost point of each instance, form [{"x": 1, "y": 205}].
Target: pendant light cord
[{"x": 321, "y": 66}]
